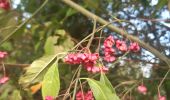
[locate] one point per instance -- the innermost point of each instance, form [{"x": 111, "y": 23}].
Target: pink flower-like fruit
[
  {"x": 109, "y": 58},
  {"x": 109, "y": 42},
  {"x": 84, "y": 96},
  {"x": 121, "y": 45},
  {"x": 108, "y": 50},
  {"x": 161, "y": 97},
  {"x": 134, "y": 47},
  {"x": 3, "y": 54},
  {"x": 142, "y": 89},
  {"x": 4, "y": 80}
]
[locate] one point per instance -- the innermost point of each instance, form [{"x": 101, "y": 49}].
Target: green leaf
[
  {"x": 101, "y": 91},
  {"x": 51, "y": 82},
  {"x": 64, "y": 42},
  {"x": 61, "y": 32},
  {"x": 49, "y": 46},
  {"x": 36, "y": 71},
  {"x": 104, "y": 80}
]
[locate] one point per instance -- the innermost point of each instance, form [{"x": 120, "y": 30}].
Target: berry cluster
[
  {"x": 89, "y": 61},
  {"x": 4, "y": 4},
  {"x": 109, "y": 52},
  {"x": 84, "y": 96}
]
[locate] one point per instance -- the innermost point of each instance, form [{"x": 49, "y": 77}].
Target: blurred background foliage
[{"x": 57, "y": 28}]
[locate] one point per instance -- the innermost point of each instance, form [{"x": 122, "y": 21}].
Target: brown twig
[{"x": 8, "y": 65}]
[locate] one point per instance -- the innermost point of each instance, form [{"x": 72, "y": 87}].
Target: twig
[
  {"x": 160, "y": 84},
  {"x": 14, "y": 65},
  {"x": 77, "y": 79},
  {"x": 72, "y": 82},
  {"x": 92, "y": 36}
]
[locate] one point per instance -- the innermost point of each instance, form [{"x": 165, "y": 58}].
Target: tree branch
[{"x": 116, "y": 29}]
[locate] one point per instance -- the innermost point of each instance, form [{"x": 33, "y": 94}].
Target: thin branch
[
  {"x": 8, "y": 65},
  {"x": 91, "y": 39}
]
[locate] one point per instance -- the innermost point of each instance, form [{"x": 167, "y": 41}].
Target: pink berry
[
  {"x": 109, "y": 42},
  {"x": 89, "y": 69},
  {"x": 134, "y": 47},
  {"x": 161, "y": 97},
  {"x": 121, "y": 45},
  {"x": 95, "y": 69},
  {"x": 84, "y": 96},
  {"x": 4, "y": 80},
  {"x": 109, "y": 58},
  {"x": 142, "y": 89},
  {"x": 105, "y": 69},
  {"x": 80, "y": 95},
  {"x": 3, "y": 54},
  {"x": 89, "y": 95},
  {"x": 108, "y": 50}
]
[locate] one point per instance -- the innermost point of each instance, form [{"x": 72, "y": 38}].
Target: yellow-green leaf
[
  {"x": 49, "y": 46},
  {"x": 101, "y": 91},
  {"x": 35, "y": 72},
  {"x": 51, "y": 82},
  {"x": 105, "y": 80}
]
